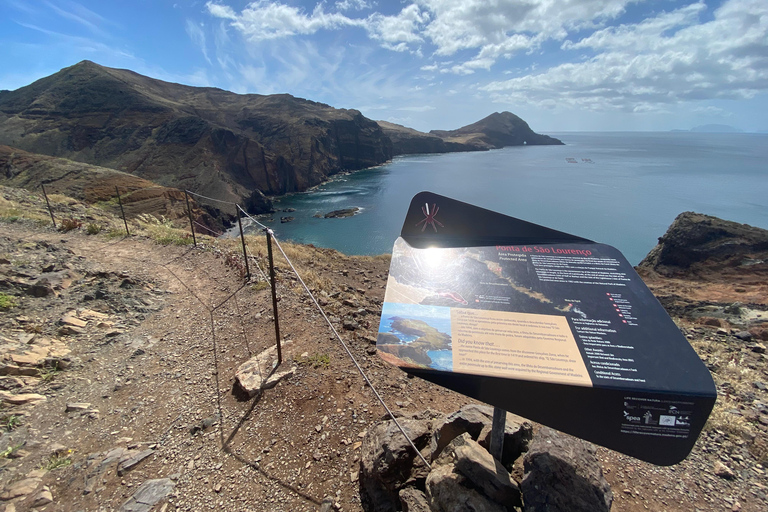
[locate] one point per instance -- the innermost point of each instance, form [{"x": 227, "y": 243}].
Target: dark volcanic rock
[
  {"x": 340, "y": 214},
  {"x": 695, "y": 240},
  {"x": 562, "y": 474},
  {"x": 388, "y": 462},
  {"x": 219, "y": 143}
]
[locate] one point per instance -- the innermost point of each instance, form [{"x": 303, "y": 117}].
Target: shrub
[
  {"x": 93, "y": 229},
  {"x": 69, "y": 224},
  {"x": 7, "y": 301}
]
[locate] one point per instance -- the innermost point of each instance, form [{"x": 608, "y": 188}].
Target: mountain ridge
[{"x": 232, "y": 147}]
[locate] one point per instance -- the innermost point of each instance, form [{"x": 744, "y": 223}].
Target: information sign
[{"x": 547, "y": 325}]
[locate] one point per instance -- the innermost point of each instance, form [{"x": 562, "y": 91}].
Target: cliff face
[
  {"x": 225, "y": 145},
  {"x": 493, "y": 132},
  {"x": 702, "y": 244}
]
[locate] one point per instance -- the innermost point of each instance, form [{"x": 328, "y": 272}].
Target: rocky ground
[{"x": 119, "y": 357}]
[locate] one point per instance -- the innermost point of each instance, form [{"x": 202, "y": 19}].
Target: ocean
[{"x": 622, "y": 189}]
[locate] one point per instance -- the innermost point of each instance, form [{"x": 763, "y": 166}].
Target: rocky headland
[
  {"x": 232, "y": 147},
  {"x": 116, "y": 396}
]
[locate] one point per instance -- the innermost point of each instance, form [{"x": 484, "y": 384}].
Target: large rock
[
  {"x": 388, "y": 462},
  {"x": 447, "y": 492},
  {"x": 487, "y": 474},
  {"x": 562, "y": 474},
  {"x": 258, "y": 372},
  {"x": 480, "y": 471},
  {"x": 477, "y": 421},
  {"x": 147, "y": 495},
  {"x": 694, "y": 239}
]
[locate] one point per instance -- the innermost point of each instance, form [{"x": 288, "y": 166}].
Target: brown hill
[
  {"x": 498, "y": 130},
  {"x": 96, "y": 186},
  {"x": 229, "y": 146},
  {"x": 493, "y": 132}
]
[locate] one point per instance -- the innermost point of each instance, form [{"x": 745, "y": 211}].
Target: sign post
[{"x": 553, "y": 327}]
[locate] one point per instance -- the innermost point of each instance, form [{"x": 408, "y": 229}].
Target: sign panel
[{"x": 553, "y": 327}]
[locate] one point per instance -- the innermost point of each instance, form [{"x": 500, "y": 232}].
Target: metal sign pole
[{"x": 497, "y": 433}]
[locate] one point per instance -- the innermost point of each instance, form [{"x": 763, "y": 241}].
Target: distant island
[
  {"x": 713, "y": 128},
  {"x": 232, "y": 147}
]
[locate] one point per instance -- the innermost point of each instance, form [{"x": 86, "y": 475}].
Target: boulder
[
  {"x": 487, "y": 474},
  {"x": 149, "y": 493},
  {"x": 413, "y": 500},
  {"x": 447, "y": 492},
  {"x": 477, "y": 421},
  {"x": 388, "y": 462},
  {"x": 562, "y": 474}
]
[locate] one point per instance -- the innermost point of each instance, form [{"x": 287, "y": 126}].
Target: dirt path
[{"x": 146, "y": 377}]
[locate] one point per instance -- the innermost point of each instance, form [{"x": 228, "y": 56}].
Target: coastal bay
[{"x": 622, "y": 189}]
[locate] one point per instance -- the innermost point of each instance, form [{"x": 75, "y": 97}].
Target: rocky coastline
[{"x": 231, "y": 147}]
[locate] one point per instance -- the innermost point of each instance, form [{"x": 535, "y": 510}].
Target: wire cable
[
  {"x": 210, "y": 198},
  {"x": 349, "y": 353}
]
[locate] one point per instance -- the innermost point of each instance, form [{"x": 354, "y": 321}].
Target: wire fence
[{"x": 212, "y": 304}]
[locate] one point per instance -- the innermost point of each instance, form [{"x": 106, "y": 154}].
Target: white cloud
[
  {"x": 81, "y": 15},
  {"x": 197, "y": 35},
  {"x": 420, "y": 108},
  {"x": 264, "y": 20},
  {"x": 353, "y": 5},
  {"x": 401, "y": 28},
  {"x": 663, "y": 60}
]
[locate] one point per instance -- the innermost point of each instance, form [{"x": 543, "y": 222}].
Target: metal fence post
[
  {"x": 191, "y": 224},
  {"x": 122, "y": 212},
  {"x": 242, "y": 239},
  {"x": 274, "y": 294},
  {"x": 49, "y": 205}
]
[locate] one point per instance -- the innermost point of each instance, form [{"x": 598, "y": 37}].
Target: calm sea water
[{"x": 624, "y": 189}]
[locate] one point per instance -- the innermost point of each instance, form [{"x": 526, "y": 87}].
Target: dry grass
[
  {"x": 734, "y": 379},
  {"x": 10, "y": 211}
]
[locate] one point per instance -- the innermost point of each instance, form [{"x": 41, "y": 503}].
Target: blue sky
[{"x": 428, "y": 64}]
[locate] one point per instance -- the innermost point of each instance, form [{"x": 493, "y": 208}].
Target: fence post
[
  {"x": 191, "y": 224},
  {"x": 122, "y": 212},
  {"x": 242, "y": 238},
  {"x": 49, "y": 205},
  {"x": 274, "y": 294}
]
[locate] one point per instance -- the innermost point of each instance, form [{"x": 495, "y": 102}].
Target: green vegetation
[
  {"x": 10, "y": 422},
  {"x": 261, "y": 285},
  {"x": 47, "y": 374},
  {"x": 10, "y": 451},
  {"x": 319, "y": 360},
  {"x": 163, "y": 232},
  {"x": 93, "y": 229},
  {"x": 57, "y": 460},
  {"x": 7, "y": 301}
]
